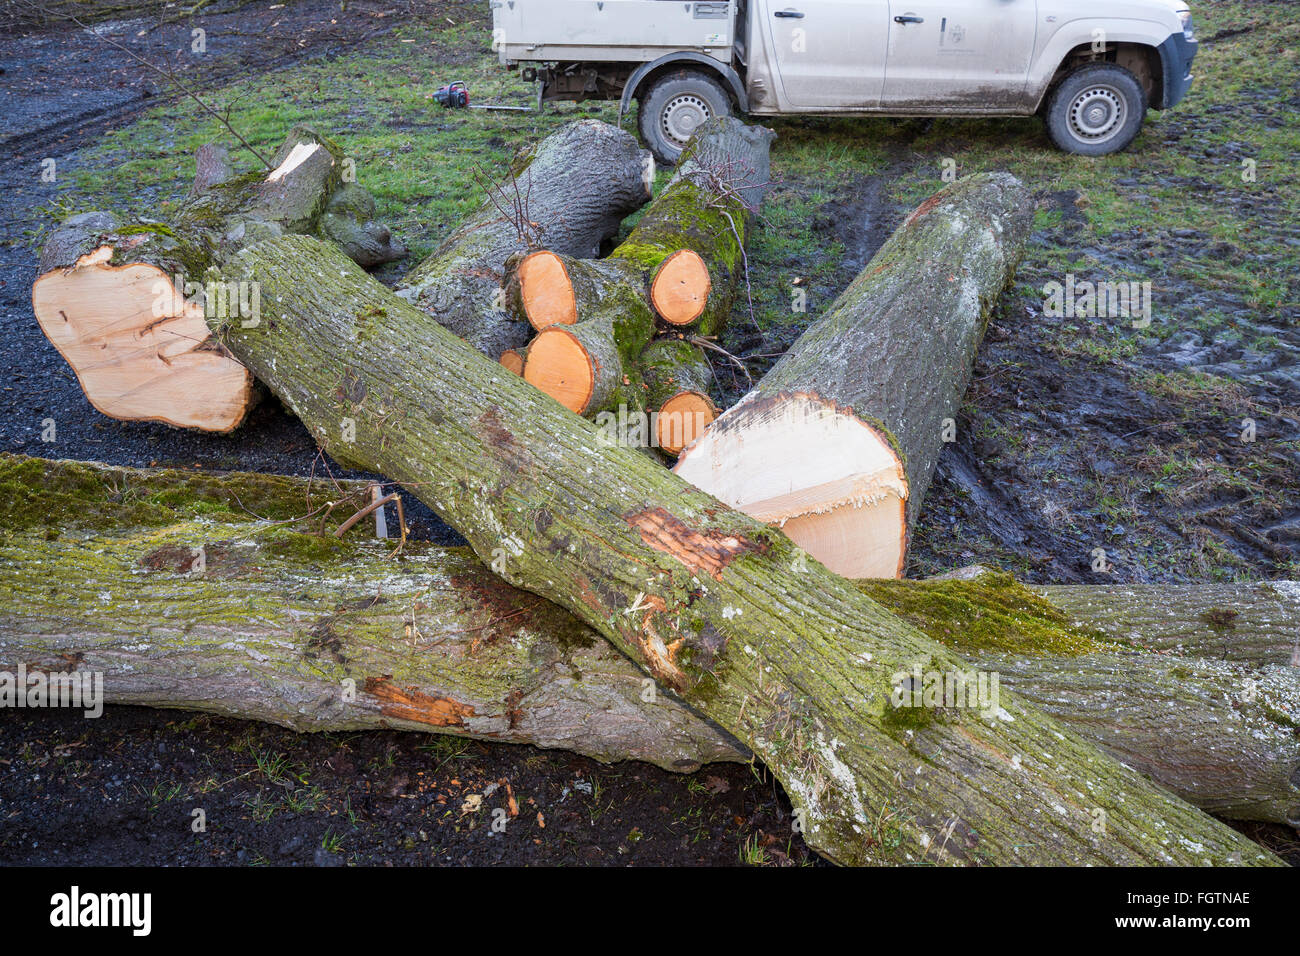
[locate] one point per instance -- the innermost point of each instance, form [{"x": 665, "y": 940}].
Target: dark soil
[{"x": 122, "y": 790}]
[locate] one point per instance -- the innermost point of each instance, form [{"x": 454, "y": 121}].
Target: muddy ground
[{"x": 1057, "y": 456}]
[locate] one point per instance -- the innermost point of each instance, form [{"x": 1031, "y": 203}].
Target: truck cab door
[
  {"x": 828, "y": 54},
  {"x": 971, "y": 54}
]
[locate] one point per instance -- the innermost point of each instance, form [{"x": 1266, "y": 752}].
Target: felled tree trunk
[
  {"x": 680, "y": 265},
  {"x": 721, "y": 609},
  {"x": 678, "y": 377},
  {"x": 1219, "y": 733},
  {"x": 1253, "y": 624},
  {"x": 127, "y": 305},
  {"x": 268, "y": 618},
  {"x": 277, "y": 620},
  {"x": 569, "y": 193},
  {"x": 838, "y": 442}
]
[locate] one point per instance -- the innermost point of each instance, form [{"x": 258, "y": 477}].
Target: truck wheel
[
  {"x": 1096, "y": 110},
  {"x": 674, "y": 107}
]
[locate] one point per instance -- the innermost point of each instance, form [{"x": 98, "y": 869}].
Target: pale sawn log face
[
  {"x": 894, "y": 351},
  {"x": 790, "y": 658},
  {"x": 124, "y": 304}
]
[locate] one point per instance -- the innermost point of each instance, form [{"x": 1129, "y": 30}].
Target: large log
[
  {"x": 1220, "y": 733},
  {"x": 1256, "y": 624},
  {"x": 681, "y": 264},
  {"x": 126, "y": 305},
  {"x": 281, "y": 615},
  {"x": 838, "y": 442},
  {"x": 568, "y": 192},
  {"x": 721, "y": 609},
  {"x": 226, "y": 597}
]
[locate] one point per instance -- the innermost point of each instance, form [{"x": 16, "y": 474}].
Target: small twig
[
  {"x": 713, "y": 346},
  {"x": 367, "y": 509},
  {"x": 370, "y": 509}
]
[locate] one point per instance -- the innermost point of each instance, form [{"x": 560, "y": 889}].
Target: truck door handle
[
  {"x": 793, "y": 14},
  {"x": 909, "y": 19}
]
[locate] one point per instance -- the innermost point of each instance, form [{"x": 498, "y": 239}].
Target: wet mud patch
[{"x": 122, "y": 790}]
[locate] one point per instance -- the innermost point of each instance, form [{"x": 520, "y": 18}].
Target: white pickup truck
[{"x": 1091, "y": 69}]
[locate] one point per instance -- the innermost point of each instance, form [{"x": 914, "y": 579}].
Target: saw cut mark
[
  {"x": 680, "y": 288},
  {"x": 560, "y": 366},
  {"x": 828, "y": 479},
  {"x": 708, "y": 552},
  {"x": 413, "y": 705},
  {"x": 300, "y": 153}
]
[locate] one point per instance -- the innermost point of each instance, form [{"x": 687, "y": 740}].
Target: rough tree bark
[
  {"x": 223, "y": 595},
  {"x": 1255, "y": 624},
  {"x": 125, "y": 304},
  {"x": 277, "y": 620},
  {"x": 788, "y": 657},
  {"x": 569, "y": 192},
  {"x": 838, "y": 442},
  {"x": 680, "y": 264}
]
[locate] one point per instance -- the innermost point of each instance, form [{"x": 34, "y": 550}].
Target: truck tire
[
  {"x": 1096, "y": 110},
  {"x": 674, "y": 106}
]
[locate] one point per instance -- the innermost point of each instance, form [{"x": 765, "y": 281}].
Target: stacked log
[
  {"x": 676, "y": 275},
  {"x": 723, "y": 611},
  {"x": 127, "y": 304},
  {"x": 570, "y": 192}
]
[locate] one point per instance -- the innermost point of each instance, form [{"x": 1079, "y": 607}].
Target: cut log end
[
  {"x": 833, "y": 483},
  {"x": 680, "y": 288},
  {"x": 684, "y": 418},
  {"x": 139, "y": 350},
  {"x": 559, "y": 365},
  {"x": 546, "y": 291},
  {"x": 513, "y": 360}
]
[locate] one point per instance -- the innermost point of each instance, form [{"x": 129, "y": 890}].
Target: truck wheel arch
[
  {"x": 646, "y": 71},
  {"x": 1144, "y": 60}
]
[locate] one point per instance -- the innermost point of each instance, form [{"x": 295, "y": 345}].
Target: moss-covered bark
[
  {"x": 232, "y": 595},
  {"x": 1221, "y": 731},
  {"x": 708, "y": 207},
  {"x": 671, "y": 366},
  {"x": 791, "y": 659},
  {"x": 1219, "y": 735}
]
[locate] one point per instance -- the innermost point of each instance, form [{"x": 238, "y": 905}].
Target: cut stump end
[
  {"x": 682, "y": 419},
  {"x": 140, "y": 351},
  {"x": 546, "y": 291},
  {"x": 680, "y": 288},
  {"x": 560, "y": 366},
  {"x": 832, "y": 482}
]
